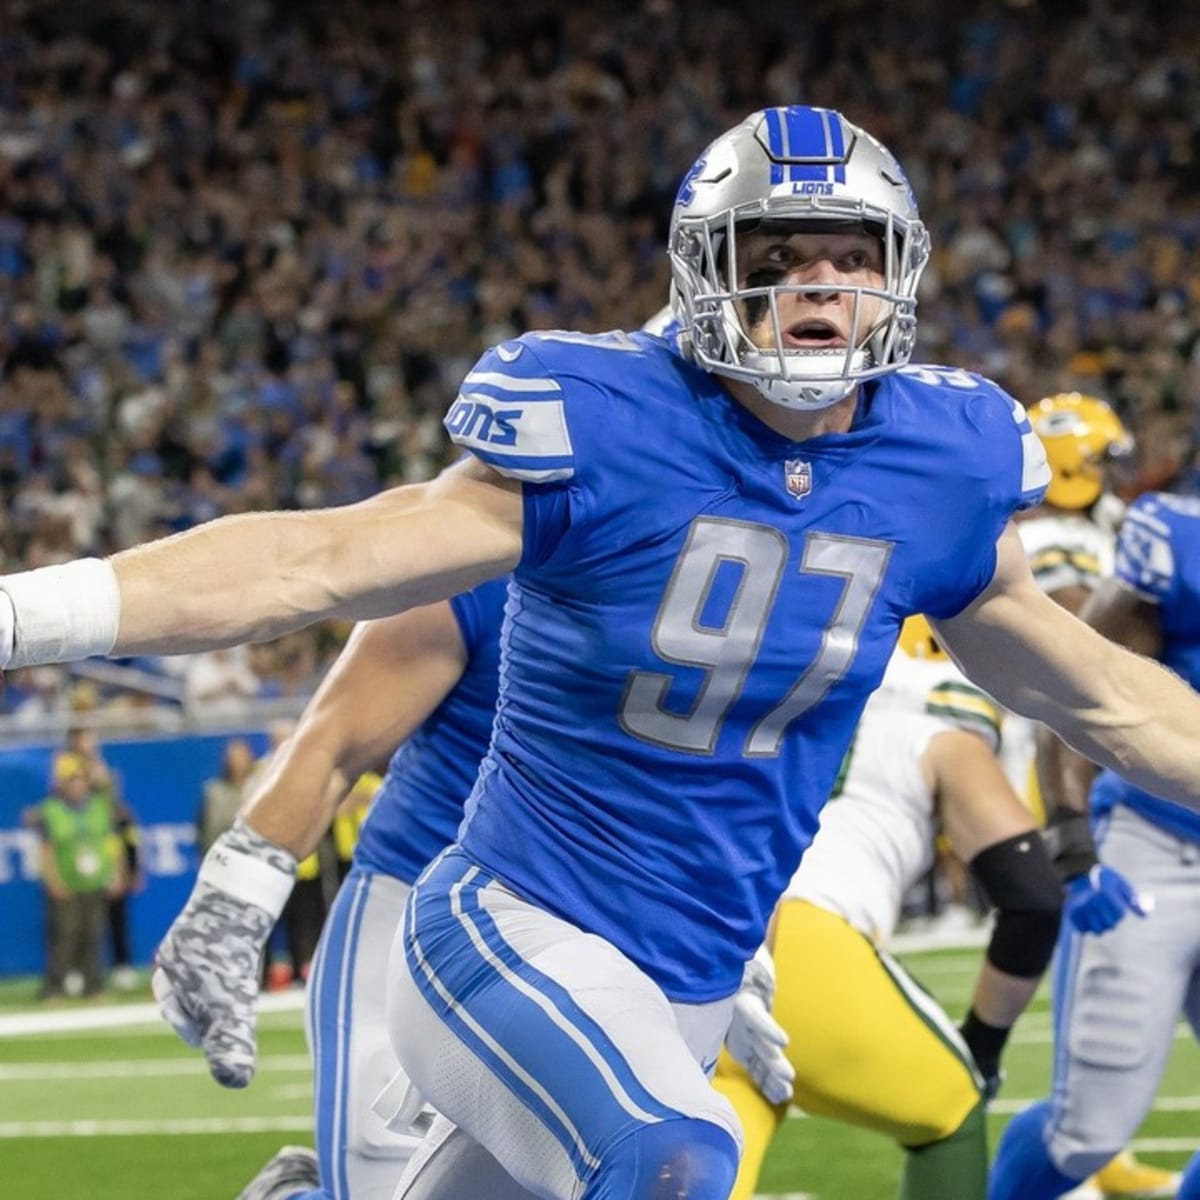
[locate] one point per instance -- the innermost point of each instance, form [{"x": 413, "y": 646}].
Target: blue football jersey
[
  {"x": 1158, "y": 556},
  {"x": 700, "y": 612},
  {"x": 418, "y": 809}
]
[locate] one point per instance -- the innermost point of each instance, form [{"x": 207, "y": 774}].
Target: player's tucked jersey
[
  {"x": 876, "y": 835},
  {"x": 1158, "y": 556},
  {"x": 701, "y": 610},
  {"x": 1065, "y": 550},
  {"x": 417, "y": 811}
]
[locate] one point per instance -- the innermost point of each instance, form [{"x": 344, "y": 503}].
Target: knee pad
[{"x": 683, "y": 1159}]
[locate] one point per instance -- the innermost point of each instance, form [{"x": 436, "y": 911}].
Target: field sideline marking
[
  {"x": 140, "y": 1069},
  {"x": 180, "y": 1125},
  {"x": 1166, "y": 1144},
  {"x": 1007, "y": 1107},
  {"x": 115, "y": 1016}
]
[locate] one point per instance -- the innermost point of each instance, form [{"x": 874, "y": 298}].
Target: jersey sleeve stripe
[
  {"x": 1057, "y": 556},
  {"x": 966, "y": 705},
  {"x": 974, "y": 722},
  {"x": 533, "y": 470},
  {"x": 508, "y": 387},
  {"x": 1035, "y": 470},
  {"x": 525, "y": 441},
  {"x": 1057, "y": 567}
]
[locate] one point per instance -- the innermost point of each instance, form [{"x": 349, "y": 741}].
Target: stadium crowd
[{"x": 247, "y": 251}]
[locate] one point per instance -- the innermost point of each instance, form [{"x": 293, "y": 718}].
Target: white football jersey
[
  {"x": 1064, "y": 550},
  {"x": 876, "y": 835}
]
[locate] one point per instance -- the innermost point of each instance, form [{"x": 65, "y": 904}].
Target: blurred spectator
[
  {"x": 317, "y": 879},
  {"x": 81, "y": 871},
  {"x": 223, "y": 794},
  {"x": 219, "y": 683},
  {"x": 348, "y": 819},
  {"x": 248, "y": 268},
  {"x": 41, "y": 698},
  {"x": 84, "y": 744}
]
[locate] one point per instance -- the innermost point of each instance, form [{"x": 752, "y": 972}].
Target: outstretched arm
[
  {"x": 1115, "y": 707},
  {"x": 254, "y": 576}
]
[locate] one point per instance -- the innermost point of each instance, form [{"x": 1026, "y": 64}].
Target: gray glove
[{"x": 206, "y": 971}]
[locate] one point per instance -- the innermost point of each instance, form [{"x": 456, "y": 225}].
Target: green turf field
[{"x": 129, "y": 1113}]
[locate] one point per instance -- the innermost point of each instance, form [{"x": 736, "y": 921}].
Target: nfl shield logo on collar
[{"x": 797, "y": 475}]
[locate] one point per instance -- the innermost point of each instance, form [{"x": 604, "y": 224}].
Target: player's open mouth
[{"x": 813, "y": 334}]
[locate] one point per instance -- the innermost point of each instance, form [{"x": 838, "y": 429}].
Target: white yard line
[
  {"x": 918, "y": 941},
  {"x": 145, "y": 1069},
  {"x": 115, "y": 1016},
  {"x": 1166, "y": 1144},
  {"x": 1044, "y": 1036},
  {"x": 180, "y": 1125},
  {"x": 1006, "y": 1106}
]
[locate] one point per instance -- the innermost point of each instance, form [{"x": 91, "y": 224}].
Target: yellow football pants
[{"x": 869, "y": 1045}]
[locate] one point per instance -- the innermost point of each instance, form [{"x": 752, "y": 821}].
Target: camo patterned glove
[{"x": 206, "y": 972}]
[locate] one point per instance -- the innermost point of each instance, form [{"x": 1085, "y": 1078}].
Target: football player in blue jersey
[
  {"x": 426, "y": 680},
  {"x": 1118, "y": 997},
  {"x": 714, "y": 542}
]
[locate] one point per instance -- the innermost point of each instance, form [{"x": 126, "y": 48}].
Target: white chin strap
[{"x": 813, "y": 379}]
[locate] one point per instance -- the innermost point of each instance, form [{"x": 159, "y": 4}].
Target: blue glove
[{"x": 1100, "y": 899}]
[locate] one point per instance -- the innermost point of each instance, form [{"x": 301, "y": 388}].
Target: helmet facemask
[{"x": 712, "y": 306}]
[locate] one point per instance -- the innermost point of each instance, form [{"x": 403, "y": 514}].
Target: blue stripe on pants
[
  {"x": 330, "y": 1026},
  {"x": 524, "y": 1027}
]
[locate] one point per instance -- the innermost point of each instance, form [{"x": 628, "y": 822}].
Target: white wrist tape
[
  {"x": 246, "y": 878},
  {"x": 61, "y": 613}
]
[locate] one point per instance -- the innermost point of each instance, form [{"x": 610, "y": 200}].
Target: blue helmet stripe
[
  {"x": 806, "y": 139},
  {"x": 837, "y": 146},
  {"x": 801, "y": 132},
  {"x": 775, "y": 144}
]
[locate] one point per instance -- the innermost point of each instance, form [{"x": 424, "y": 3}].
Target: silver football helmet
[{"x": 813, "y": 168}]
